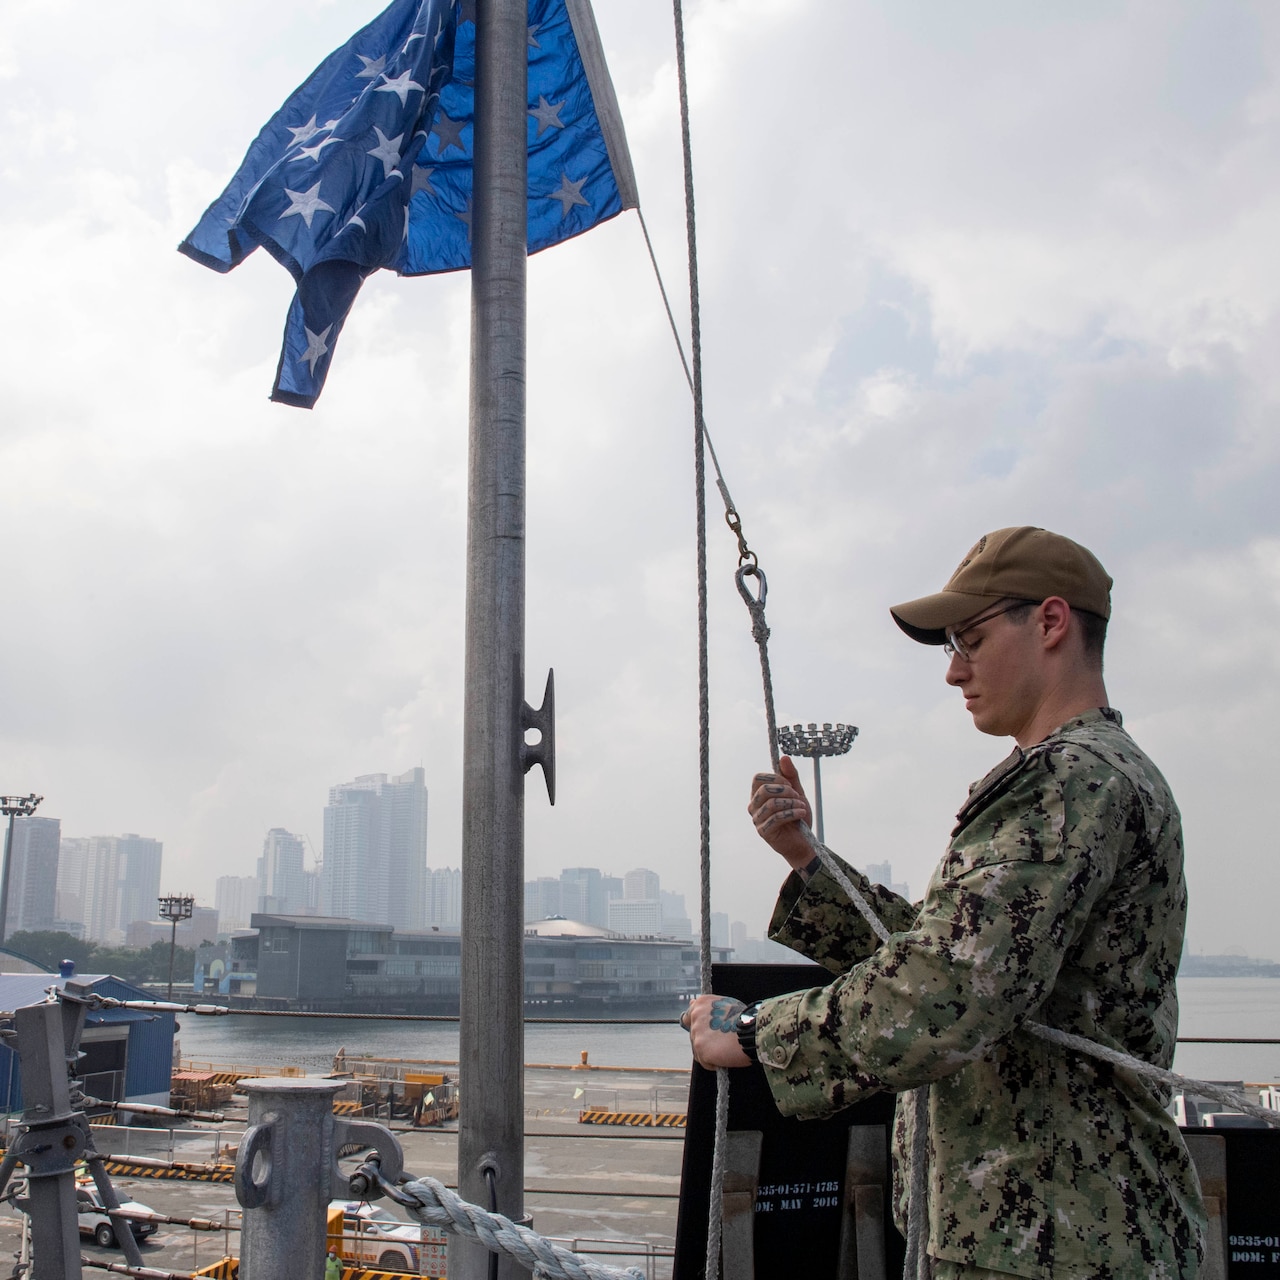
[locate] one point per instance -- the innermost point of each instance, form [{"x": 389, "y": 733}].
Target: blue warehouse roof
[{"x": 149, "y": 1055}]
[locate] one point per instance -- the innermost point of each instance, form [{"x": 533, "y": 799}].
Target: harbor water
[{"x": 1245, "y": 1008}]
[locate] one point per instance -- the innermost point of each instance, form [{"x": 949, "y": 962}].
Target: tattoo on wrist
[{"x": 724, "y": 1015}]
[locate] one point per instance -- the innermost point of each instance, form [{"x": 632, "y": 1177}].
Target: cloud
[{"x": 959, "y": 269}]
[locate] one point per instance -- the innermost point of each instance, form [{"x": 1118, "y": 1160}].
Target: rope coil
[{"x": 431, "y": 1202}]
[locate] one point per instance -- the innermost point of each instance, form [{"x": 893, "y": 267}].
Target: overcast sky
[{"x": 963, "y": 266}]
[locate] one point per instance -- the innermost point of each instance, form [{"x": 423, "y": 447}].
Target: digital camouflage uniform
[{"x": 1060, "y": 900}]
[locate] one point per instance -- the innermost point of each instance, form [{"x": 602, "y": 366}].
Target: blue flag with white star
[{"x": 369, "y": 164}]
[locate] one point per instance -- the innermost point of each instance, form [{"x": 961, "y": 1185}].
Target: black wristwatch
[{"x": 747, "y": 1030}]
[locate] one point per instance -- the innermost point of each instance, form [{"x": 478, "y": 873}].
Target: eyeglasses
[{"x": 954, "y": 645}]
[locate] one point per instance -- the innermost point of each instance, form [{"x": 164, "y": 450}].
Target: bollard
[{"x": 287, "y": 1172}]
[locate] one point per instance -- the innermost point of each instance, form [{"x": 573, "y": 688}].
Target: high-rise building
[
  {"x": 313, "y": 882},
  {"x": 675, "y": 916},
  {"x": 719, "y": 928},
  {"x": 639, "y": 910},
  {"x": 375, "y": 850},
  {"x": 101, "y": 891},
  {"x": 282, "y": 880},
  {"x": 73, "y": 852},
  {"x": 108, "y": 882},
  {"x": 640, "y": 883},
  {"x": 542, "y": 899},
  {"x": 583, "y": 896},
  {"x": 235, "y": 898},
  {"x": 33, "y": 874},
  {"x": 444, "y": 896},
  {"x": 637, "y": 917},
  {"x": 881, "y": 873},
  {"x": 139, "y": 863}
]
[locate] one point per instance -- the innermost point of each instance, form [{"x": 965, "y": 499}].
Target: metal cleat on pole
[{"x": 543, "y": 722}]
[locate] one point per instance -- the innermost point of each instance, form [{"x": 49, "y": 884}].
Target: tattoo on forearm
[{"x": 724, "y": 1015}]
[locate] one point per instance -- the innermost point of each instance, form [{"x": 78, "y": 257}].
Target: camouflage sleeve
[
  {"x": 819, "y": 921},
  {"x": 1023, "y": 871}
]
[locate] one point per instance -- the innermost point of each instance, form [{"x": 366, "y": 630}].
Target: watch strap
[{"x": 746, "y": 1028}]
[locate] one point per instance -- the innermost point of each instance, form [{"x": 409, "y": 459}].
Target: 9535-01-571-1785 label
[{"x": 784, "y": 1197}]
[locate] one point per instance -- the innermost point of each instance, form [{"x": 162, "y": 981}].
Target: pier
[{"x": 609, "y": 1191}]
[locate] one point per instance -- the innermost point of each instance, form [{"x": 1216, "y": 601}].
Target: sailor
[{"x": 1060, "y": 900}]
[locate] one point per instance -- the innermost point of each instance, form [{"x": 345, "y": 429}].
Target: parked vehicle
[
  {"x": 91, "y": 1214},
  {"x": 374, "y": 1237}
]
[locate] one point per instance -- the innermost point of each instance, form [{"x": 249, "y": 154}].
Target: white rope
[
  {"x": 917, "y": 1266},
  {"x": 1149, "y": 1071},
  {"x": 719, "y": 1148},
  {"x": 440, "y": 1207}
]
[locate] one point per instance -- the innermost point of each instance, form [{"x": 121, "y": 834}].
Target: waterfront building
[
  {"x": 573, "y": 963},
  {"x": 33, "y": 874},
  {"x": 326, "y": 963},
  {"x": 235, "y": 899},
  {"x": 375, "y": 850},
  {"x": 282, "y": 880}
]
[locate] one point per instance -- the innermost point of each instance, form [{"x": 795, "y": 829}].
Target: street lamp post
[
  {"x": 815, "y": 742},
  {"x": 12, "y": 807},
  {"x": 174, "y": 909}
]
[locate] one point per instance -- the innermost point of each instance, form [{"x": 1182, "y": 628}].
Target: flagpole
[{"x": 491, "y": 1121}]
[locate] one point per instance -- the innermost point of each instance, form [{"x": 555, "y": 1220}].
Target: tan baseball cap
[{"x": 1021, "y": 563}]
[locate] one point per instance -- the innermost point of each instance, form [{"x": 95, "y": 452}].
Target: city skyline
[
  {"x": 1004, "y": 302},
  {"x": 84, "y": 869}
]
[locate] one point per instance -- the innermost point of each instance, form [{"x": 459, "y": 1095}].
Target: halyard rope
[
  {"x": 721, "y": 484},
  {"x": 715, "y": 1207}
]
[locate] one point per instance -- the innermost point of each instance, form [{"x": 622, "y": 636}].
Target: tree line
[{"x": 48, "y": 948}]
